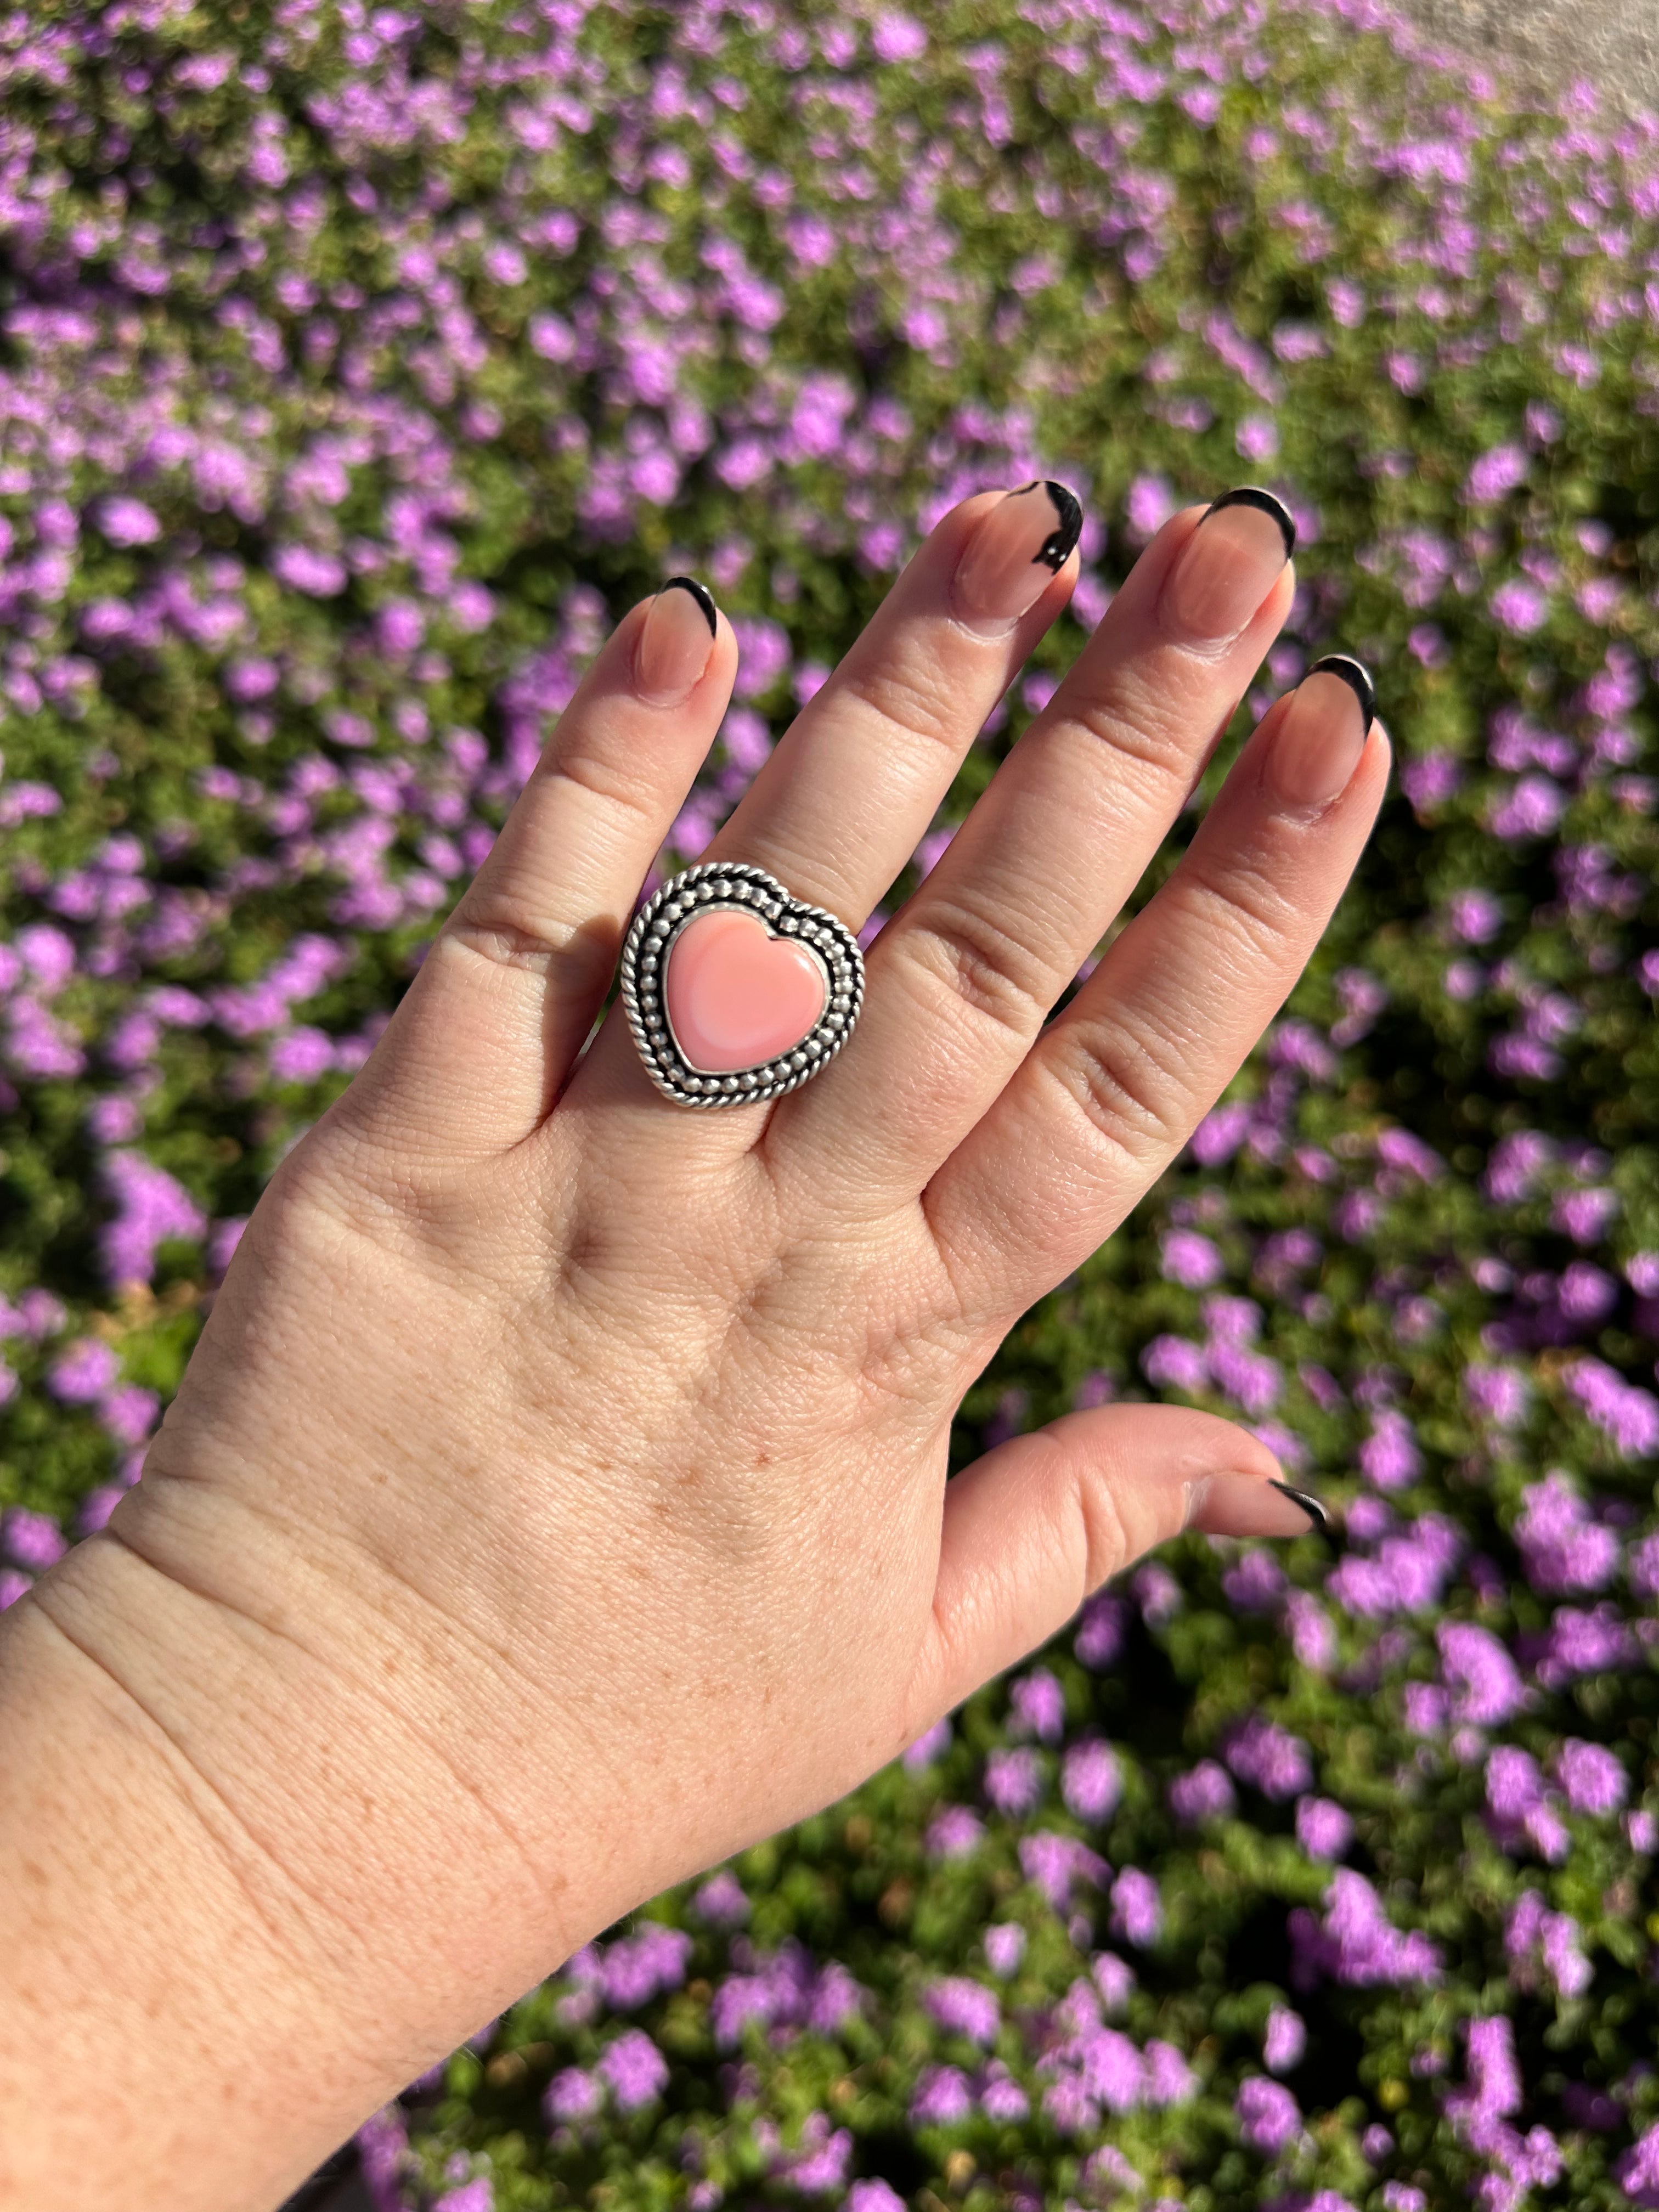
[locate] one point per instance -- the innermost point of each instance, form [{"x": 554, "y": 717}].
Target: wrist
[{"x": 256, "y": 1902}]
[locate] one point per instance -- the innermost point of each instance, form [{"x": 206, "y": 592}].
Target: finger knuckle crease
[
  {"x": 908, "y": 701},
  {"x": 588, "y": 772},
  {"x": 501, "y": 930},
  {"x": 984, "y": 967},
  {"x": 1141, "y": 730},
  {"x": 1126, "y": 1086},
  {"x": 1247, "y": 902}
]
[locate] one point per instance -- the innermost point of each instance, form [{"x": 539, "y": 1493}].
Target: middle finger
[{"x": 962, "y": 978}]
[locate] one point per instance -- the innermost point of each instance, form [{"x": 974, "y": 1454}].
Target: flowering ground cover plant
[{"x": 360, "y": 366}]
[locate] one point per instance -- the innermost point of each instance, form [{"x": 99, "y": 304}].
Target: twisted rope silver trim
[{"x": 708, "y": 887}]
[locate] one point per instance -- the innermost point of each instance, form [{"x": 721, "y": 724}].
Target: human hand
[{"x": 556, "y": 1501}]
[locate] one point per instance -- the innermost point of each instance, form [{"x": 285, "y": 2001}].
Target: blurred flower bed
[{"x": 360, "y": 365}]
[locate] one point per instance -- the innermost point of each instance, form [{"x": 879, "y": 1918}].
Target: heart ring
[{"x": 736, "y": 990}]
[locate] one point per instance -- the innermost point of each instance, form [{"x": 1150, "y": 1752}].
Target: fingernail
[
  {"x": 1244, "y": 1505},
  {"x": 1015, "y": 553},
  {"x": 1314, "y": 1508},
  {"x": 1228, "y": 565},
  {"x": 675, "y": 641},
  {"x": 1314, "y": 752}
]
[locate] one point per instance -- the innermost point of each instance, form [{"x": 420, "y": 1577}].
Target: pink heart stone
[{"x": 737, "y": 997}]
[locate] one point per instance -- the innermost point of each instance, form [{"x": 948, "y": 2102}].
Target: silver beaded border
[{"x": 709, "y": 885}]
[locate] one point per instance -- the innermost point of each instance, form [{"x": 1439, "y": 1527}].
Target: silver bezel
[{"x": 704, "y": 888}]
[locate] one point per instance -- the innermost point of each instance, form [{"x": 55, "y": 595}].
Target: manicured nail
[
  {"x": 1313, "y": 1507},
  {"x": 1244, "y": 1505},
  {"x": 1228, "y": 565},
  {"x": 1015, "y": 553},
  {"x": 675, "y": 641},
  {"x": 1312, "y": 754}
]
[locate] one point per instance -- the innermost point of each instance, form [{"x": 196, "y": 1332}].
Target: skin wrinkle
[{"x": 193, "y": 1786}]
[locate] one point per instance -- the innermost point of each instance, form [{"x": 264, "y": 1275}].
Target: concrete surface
[{"x": 1547, "y": 43}]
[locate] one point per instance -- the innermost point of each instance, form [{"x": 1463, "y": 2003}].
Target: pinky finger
[
  {"x": 488, "y": 1032},
  {"x": 1040, "y": 1523}
]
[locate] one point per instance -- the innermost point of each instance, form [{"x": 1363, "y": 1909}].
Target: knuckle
[
  {"x": 982, "y": 965},
  {"x": 1153, "y": 727},
  {"x": 1104, "y": 1541},
  {"x": 595, "y": 773},
  {"x": 501, "y": 926},
  {"x": 1127, "y": 1081},
  {"x": 911, "y": 695},
  {"x": 1246, "y": 903}
]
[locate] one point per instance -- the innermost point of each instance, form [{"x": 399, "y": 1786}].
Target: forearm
[{"x": 222, "y": 1952}]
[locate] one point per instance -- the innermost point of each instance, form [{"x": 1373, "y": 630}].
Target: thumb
[{"x": 1041, "y": 1522}]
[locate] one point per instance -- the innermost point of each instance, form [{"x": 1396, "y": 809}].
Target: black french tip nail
[
  {"x": 1355, "y": 674},
  {"x": 1312, "y": 1506},
  {"x": 1055, "y": 550},
  {"x": 1254, "y": 495},
  {"x": 701, "y": 594}
]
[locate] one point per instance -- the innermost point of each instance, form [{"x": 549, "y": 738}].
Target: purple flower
[
  {"x": 1269, "y": 2118},
  {"x": 304, "y": 568},
  {"x": 873, "y": 2196},
  {"x": 1389, "y": 1457},
  {"x": 965, "y": 2006},
  {"x": 1005, "y": 1947},
  {"x": 1324, "y": 1829},
  {"x": 954, "y": 1832},
  {"x": 1038, "y": 1705},
  {"x": 150, "y": 1208},
  {"x": 898, "y": 37},
  {"x": 1285, "y": 2040},
  {"x": 1643, "y": 1567},
  {"x": 1002, "y": 2099},
  {"x": 1562, "y": 1548},
  {"x": 639, "y": 1967},
  {"x": 1586, "y": 1643},
  {"x": 1204, "y": 1793},
  {"x": 1014, "y": 1780},
  {"x": 635, "y": 2068},
  {"x": 942, "y": 2097},
  {"x": 478, "y": 2195},
  {"x": 1628, "y": 1416},
  {"x": 1054, "y": 1862},
  {"x": 1268, "y": 1757},
  {"x": 1137, "y": 1908},
  {"x": 1255, "y": 1584},
  {"x": 1494, "y": 2078},
  {"x": 931, "y": 1744},
  {"x": 1150, "y": 502},
  {"x": 1520, "y": 607},
  {"x": 126, "y": 521},
  {"x": 1174, "y": 1363},
  {"x": 83, "y": 1372},
  {"x": 1637, "y": 2171},
  {"x": 1169, "y": 2080},
  {"x": 1485, "y": 1688},
  {"x": 1500, "y": 1394},
  {"x": 29, "y": 1540},
  {"x": 1100, "y": 1631},
  {"x": 1356, "y": 1944},
  {"x": 1114, "y": 1978},
  {"x": 1496, "y": 474},
  {"x": 1191, "y": 1260},
  {"x": 1090, "y": 1781},
  {"x": 1514, "y": 1783},
  {"x": 572, "y": 2094},
  {"x": 720, "y": 1900}
]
